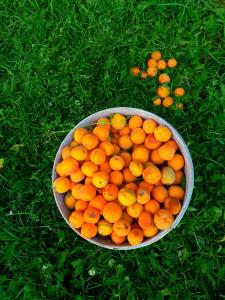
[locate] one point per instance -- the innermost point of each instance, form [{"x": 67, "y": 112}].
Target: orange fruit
[
  {"x": 179, "y": 92},
  {"x": 98, "y": 156},
  {"x": 178, "y": 177},
  {"x": 135, "y": 71},
  {"x": 68, "y": 166},
  {"x": 135, "y": 236},
  {"x": 112, "y": 212},
  {"x": 152, "y": 63},
  {"x": 121, "y": 227},
  {"x": 152, "y": 206},
  {"x": 79, "y": 134},
  {"x": 88, "y": 180},
  {"x": 163, "y": 91},
  {"x": 150, "y": 231},
  {"x": 172, "y": 63},
  {"x": 126, "y": 157},
  {"x": 141, "y": 154},
  {"x": 76, "y": 219},
  {"x": 146, "y": 185},
  {"x": 69, "y": 201},
  {"x": 149, "y": 126},
  {"x": 81, "y": 205},
  {"x": 155, "y": 157},
  {"x": 127, "y": 217},
  {"x": 128, "y": 176},
  {"x": 159, "y": 193},
  {"x": 125, "y": 142},
  {"x": 157, "y": 101},
  {"x": 151, "y": 71},
  {"x": 102, "y": 133},
  {"x": 172, "y": 144},
  {"x": 88, "y": 230},
  {"x": 107, "y": 147},
  {"x": 66, "y": 152},
  {"x": 104, "y": 122},
  {"x": 117, "y": 239},
  {"x": 79, "y": 153},
  {"x": 100, "y": 179},
  {"x": 87, "y": 192},
  {"x": 125, "y": 130},
  {"x": 59, "y": 170},
  {"x": 61, "y": 185},
  {"x": 167, "y": 102},
  {"x": 163, "y": 219},
  {"x": 151, "y": 174},
  {"x": 77, "y": 176},
  {"x": 162, "y": 133},
  {"x": 144, "y": 75},
  {"x": 105, "y": 167},
  {"x": 118, "y": 121},
  {"x": 89, "y": 168},
  {"x": 126, "y": 196},
  {"x": 76, "y": 190},
  {"x": 164, "y": 78},
  {"x": 116, "y": 177},
  {"x": 173, "y": 205},
  {"x": 110, "y": 192},
  {"x": 91, "y": 215},
  {"x": 143, "y": 195},
  {"x": 176, "y": 191},
  {"x": 135, "y": 122},
  {"x": 168, "y": 175},
  {"x": 98, "y": 202},
  {"x": 156, "y": 55},
  {"x": 161, "y": 64},
  {"x": 104, "y": 227},
  {"x": 151, "y": 142},
  {"x": 136, "y": 168},
  {"x": 177, "y": 162},
  {"x": 89, "y": 141},
  {"x": 132, "y": 186},
  {"x": 116, "y": 163},
  {"x": 134, "y": 210},
  {"x": 166, "y": 152},
  {"x": 138, "y": 136}
]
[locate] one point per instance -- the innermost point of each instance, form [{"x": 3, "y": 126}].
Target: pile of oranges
[
  {"x": 122, "y": 179},
  {"x": 155, "y": 64}
]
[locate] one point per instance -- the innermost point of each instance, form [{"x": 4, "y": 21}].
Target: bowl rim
[{"x": 188, "y": 193}]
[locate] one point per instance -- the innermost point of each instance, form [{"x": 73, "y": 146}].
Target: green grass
[{"x": 61, "y": 61}]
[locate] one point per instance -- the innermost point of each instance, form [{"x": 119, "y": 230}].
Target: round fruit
[{"x": 126, "y": 196}]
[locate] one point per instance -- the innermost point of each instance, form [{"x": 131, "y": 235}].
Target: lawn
[{"x": 61, "y": 61}]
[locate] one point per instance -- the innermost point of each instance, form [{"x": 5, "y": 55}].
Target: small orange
[
  {"x": 135, "y": 236},
  {"x": 91, "y": 215},
  {"x": 155, "y": 158},
  {"x": 98, "y": 202},
  {"x": 70, "y": 201},
  {"x": 143, "y": 195},
  {"x": 136, "y": 168},
  {"x": 163, "y": 91},
  {"x": 172, "y": 143},
  {"x": 89, "y": 168},
  {"x": 161, "y": 64},
  {"x": 151, "y": 71},
  {"x": 59, "y": 170},
  {"x": 104, "y": 122},
  {"x": 88, "y": 230},
  {"x": 152, "y": 206},
  {"x": 66, "y": 152},
  {"x": 126, "y": 196},
  {"x": 168, "y": 175},
  {"x": 135, "y": 71},
  {"x": 107, "y": 147},
  {"x": 138, "y": 136},
  {"x": 162, "y": 133},
  {"x": 132, "y": 186},
  {"x": 167, "y": 102},
  {"x": 178, "y": 177},
  {"x": 144, "y": 74},
  {"x": 116, "y": 163},
  {"x": 89, "y": 141},
  {"x": 98, "y": 156},
  {"x": 149, "y": 126},
  {"x": 116, "y": 177},
  {"x": 128, "y": 176},
  {"x": 156, "y": 55},
  {"x": 126, "y": 157},
  {"x": 173, "y": 205},
  {"x": 141, "y": 154},
  {"x": 117, "y": 149},
  {"x": 76, "y": 219},
  {"x": 159, "y": 193},
  {"x": 150, "y": 231},
  {"x": 126, "y": 130},
  {"x": 61, "y": 185},
  {"x": 76, "y": 190},
  {"x": 104, "y": 227},
  {"x": 122, "y": 227},
  {"x": 177, "y": 162},
  {"x": 163, "y": 219},
  {"x": 127, "y": 217},
  {"x": 164, "y": 78},
  {"x": 152, "y": 63},
  {"x": 151, "y": 142},
  {"x": 81, "y": 205},
  {"x": 79, "y": 153},
  {"x": 166, "y": 152},
  {"x": 87, "y": 192},
  {"x": 125, "y": 142},
  {"x": 77, "y": 176},
  {"x": 157, "y": 101},
  {"x": 172, "y": 63},
  {"x": 110, "y": 192},
  {"x": 105, "y": 167},
  {"x": 179, "y": 92},
  {"x": 112, "y": 212},
  {"x": 117, "y": 239},
  {"x": 135, "y": 122},
  {"x": 152, "y": 174},
  {"x": 79, "y": 134},
  {"x": 135, "y": 210},
  {"x": 100, "y": 179},
  {"x": 68, "y": 166},
  {"x": 102, "y": 133},
  {"x": 118, "y": 121},
  {"x": 176, "y": 191},
  {"x": 146, "y": 185}
]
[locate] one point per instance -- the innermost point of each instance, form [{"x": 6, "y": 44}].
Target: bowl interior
[{"x": 188, "y": 170}]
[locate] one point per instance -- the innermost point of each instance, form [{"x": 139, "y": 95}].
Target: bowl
[{"x": 188, "y": 170}]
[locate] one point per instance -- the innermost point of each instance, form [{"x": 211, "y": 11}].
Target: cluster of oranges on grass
[
  {"x": 122, "y": 178},
  {"x": 155, "y": 64}
]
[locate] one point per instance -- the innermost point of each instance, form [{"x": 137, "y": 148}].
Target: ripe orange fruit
[
  {"x": 172, "y": 144},
  {"x": 162, "y": 133},
  {"x": 167, "y": 102},
  {"x": 122, "y": 227},
  {"x": 98, "y": 202},
  {"x": 134, "y": 210},
  {"x": 107, "y": 147},
  {"x": 149, "y": 126},
  {"x": 164, "y": 78},
  {"x": 89, "y": 168},
  {"x": 89, "y": 141},
  {"x": 145, "y": 185},
  {"x": 116, "y": 177},
  {"x": 135, "y": 71},
  {"x": 100, "y": 179},
  {"x": 156, "y": 55},
  {"x": 118, "y": 121},
  {"x": 136, "y": 168},
  {"x": 87, "y": 192},
  {"x": 177, "y": 162},
  {"x": 79, "y": 134},
  {"x": 151, "y": 71},
  {"x": 138, "y": 136},
  {"x": 126, "y": 157},
  {"x": 163, "y": 91},
  {"x": 88, "y": 230},
  {"x": 125, "y": 130},
  {"x": 116, "y": 163},
  {"x": 59, "y": 170},
  {"x": 145, "y": 219},
  {"x": 132, "y": 186},
  {"x": 135, "y": 122},
  {"x": 159, "y": 193},
  {"x": 166, "y": 152},
  {"x": 178, "y": 177},
  {"x": 150, "y": 231},
  {"x": 77, "y": 176},
  {"x": 155, "y": 157},
  {"x": 79, "y": 153},
  {"x": 91, "y": 215},
  {"x": 141, "y": 154},
  {"x": 168, "y": 175},
  {"x": 68, "y": 166},
  {"x": 104, "y": 122},
  {"x": 126, "y": 196},
  {"x": 66, "y": 152},
  {"x": 176, "y": 191},
  {"x": 151, "y": 142},
  {"x": 152, "y": 63},
  {"x": 179, "y": 92},
  {"x": 110, "y": 192},
  {"x": 143, "y": 195},
  {"x": 98, "y": 156},
  {"x": 105, "y": 167},
  {"x": 102, "y": 133},
  {"x": 135, "y": 236},
  {"x": 151, "y": 174},
  {"x": 144, "y": 75},
  {"x": 157, "y": 101},
  {"x": 76, "y": 190},
  {"x": 69, "y": 201},
  {"x": 152, "y": 206},
  {"x": 81, "y": 205},
  {"x": 128, "y": 176},
  {"x": 112, "y": 212},
  {"x": 161, "y": 64},
  {"x": 173, "y": 205},
  {"x": 125, "y": 142},
  {"x": 172, "y": 63},
  {"x": 76, "y": 219},
  {"x": 104, "y": 227},
  {"x": 117, "y": 239},
  {"x": 163, "y": 219},
  {"x": 61, "y": 185}
]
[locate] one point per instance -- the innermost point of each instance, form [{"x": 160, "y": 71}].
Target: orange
[
  {"x": 146, "y": 185},
  {"x": 167, "y": 102},
  {"x": 127, "y": 217},
  {"x": 172, "y": 63},
  {"x": 118, "y": 121},
  {"x": 107, "y": 147},
  {"x": 163, "y": 219},
  {"x": 166, "y": 152},
  {"x": 162, "y": 133},
  {"x": 104, "y": 227},
  {"x": 134, "y": 210},
  {"x": 178, "y": 177},
  {"x": 73, "y": 144},
  {"x": 76, "y": 190},
  {"x": 117, "y": 239},
  {"x": 102, "y": 133},
  {"x": 149, "y": 126},
  {"x": 61, "y": 184},
  {"x": 135, "y": 122},
  {"x": 126, "y": 157},
  {"x": 179, "y": 92},
  {"x": 116, "y": 163},
  {"x": 87, "y": 192},
  {"x": 79, "y": 153},
  {"x": 173, "y": 205},
  {"x": 135, "y": 71},
  {"x": 143, "y": 195},
  {"x": 98, "y": 156},
  {"x": 59, "y": 170},
  {"x": 151, "y": 174},
  {"x": 104, "y": 122},
  {"x": 116, "y": 177},
  {"x": 151, "y": 71},
  {"x": 68, "y": 166},
  {"x": 66, "y": 152},
  {"x": 168, "y": 175},
  {"x": 100, "y": 179},
  {"x": 105, "y": 167},
  {"x": 79, "y": 134},
  {"x": 132, "y": 186},
  {"x": 152, "y": 206},
  {"x": 77, "y": 176},
  {"x": 90, "y": 141},
  {"x": 155, "y": 158},
  {"x": 126, "y": 196},
  {"x": 150, "y": 231},
  {"x": 177, "y": 162},
  {"x": 91, "y": 215},
  {"x": 176, "y": 191},
  {"x": 135, "y": 236},
  {"x": 122, "y": 227},
  {"x": 98, "y": 202},
  {"x": 70, "y": 201},
  {"x": 164, "y": 78},
  {"x": 117, "y": 149},
  {"x": 89, "y": 168},
  {"x": 125, "y": 142},
  {"x": 152, "y": 63},
  {"x": 110, "y": 192},
  {"x": 88, "y": 230},
  {"x": 138, "y": 136},
  {"x": 128, "y": 176},
  {"x": 172, "y": 143},
  {"x": 157, "y": 101},
  {"x": 151, "y": 142},
  {"x": 163, "y": 91},
  {"x": 144, "y": 75},
  {"x": 141, "y": 154},
  {"x": 156, "y": 55},
  {"x": 76, "y": 219},
  {"x": 81, "y": 205},
  {"x": 136, "y": 168},
  {"x": 159, "y": 193},
  {"x": 161, "y": 64},
  {"x": 112, "y": 212},
  {"x": 126, "y": 130}
]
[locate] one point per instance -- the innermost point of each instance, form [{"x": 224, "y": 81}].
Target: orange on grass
[
  {"x": 116, "y": 177},
  {"x": 66, "y": 152},
  {"x": 104, "y": 227},
  {"x": 112, "y": 212},
  {"x": 121, "y": 227},
  {"x": 135, "y": 236},
  {"x": 105, "y": 167},
  {"x": 164, "y": 78},
  {"x": 61, "y": 184},
  {"x": 81, "y": 205},
  {"x": 159, "y": 193},
  {"x": 172, "y": 144},
  {"x": 126, "y": 216},
  {"x": 135, "y": 122},
  {"x": 110, "y": 192},
  {"x": 145, "y": 185},
  {"x": 137, "y": 136},
  {"x": 70, "y": 201},
  {"x": 87, "y": 192},
  {"x": 88, "y": 230},
  {"x": 135, "y": 210},
  {"x": 118, "y": 121},
  {"x": 163, "y": 91},
  {"x": 163, "y": 219},
  {"x": 162, "y": 133},
  {"x": 167, "y": 102},
  {"x": 143, "y": 195},
  {"x": 166, "y": 152},
  {"x": 116, "y": 163},
  {"x": 117, "y": 239},
  {"x": 173, "y": 205},
  {"x": 59, "y": 170},
  {"x": 141, "y": 154},
  {"x": 150, "y": 231},
  {"x": 89, "y": 168},
  {"x": 156, "y": 55},
  {"x": 107, "y": 147},
  {"x": 157, "y": 101},
  {"x": 176, "y": 191},
  {"x": 98, "y": 202},
  {"x": 149, "y": 126},
  {"x": 76, "y": 219},
  {"x": 75, "y": 191},
  {"x": 132, "y": 186},
  {"x": 100, "y": 179},
  {"x": 125, "y": 142},
  {"x": 161, "y": 64},
  {"x": 104, "y": 122},
  {"x": 136, "y": 168},
  {"x": 177, "y": 162},
  {"x": 89, "y": 141},
  {"x": 77, "y": 176},
  {"x": 117, "y": 149},
  {"x": 98, "y": 156},
  {"x": 128, "y": 176},
  {"x": 168, "y": 175},
  {"x": 91, "y": 215},
  {"x": 102, "y": 133},
  {"x": 179, "y": 92},
  {"x": 125, "y": 130},
  {"x": 151, "y": 142},
  {"x": 144, "y": 74},
  {"x": 155, "y": 158},
  {"x": 79, "y": 134},
  {"x": 135, "y": 71},
  {"x": 152, "y": 174},
  {"x": 126, "y": 196},
  {"x": 152, "y": 63},
  {"x": 79, "y": 153},
  {"x": 178, "y": 177},
  {"x": 69, "y": 165},
  {"x": 152, "y": 206},
  {"x": 151, "y": 71},
  {"x": 172, "y": 63},
  {"x": 126, "y": 157}
]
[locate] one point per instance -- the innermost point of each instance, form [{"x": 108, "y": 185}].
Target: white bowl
[{"x": 188, "y": 170}]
